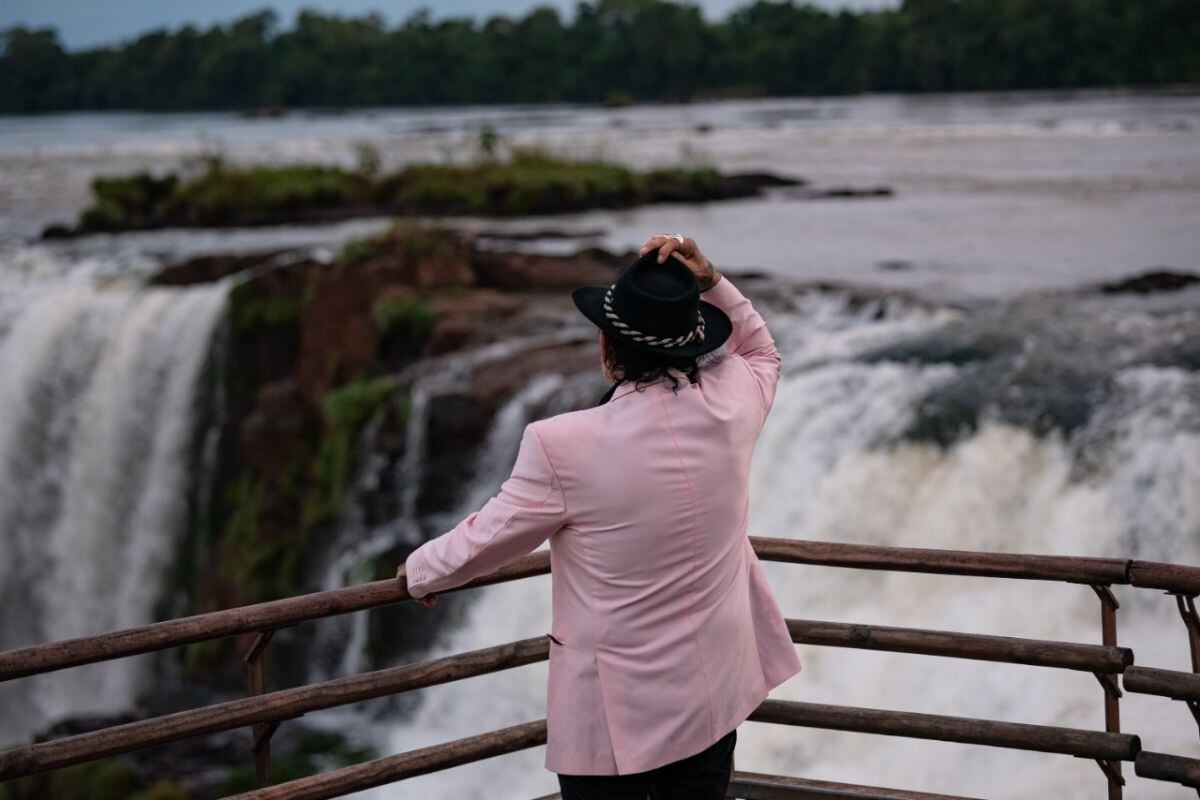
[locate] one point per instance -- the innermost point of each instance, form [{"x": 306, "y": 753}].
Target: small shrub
[
  {"x": 136, "y": 201},
  {"x": 409, "y": 316},
  {"x": 369, "y": 159}
]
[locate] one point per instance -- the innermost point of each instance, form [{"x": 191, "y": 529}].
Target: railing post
[
  {"x": 260, "y": 734},
  {"x": 1191, "y": 620},
  {"x": 1112, "y": 691},
  {"x": 1187, "y": 610}
]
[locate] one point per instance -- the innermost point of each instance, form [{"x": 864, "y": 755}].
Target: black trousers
[{"x": 703, "y": 776}]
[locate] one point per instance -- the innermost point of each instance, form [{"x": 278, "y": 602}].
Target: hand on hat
[{"x": 686, "y": 251}]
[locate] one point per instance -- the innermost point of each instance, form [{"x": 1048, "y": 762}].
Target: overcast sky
[{"x": 82, "y": 23}]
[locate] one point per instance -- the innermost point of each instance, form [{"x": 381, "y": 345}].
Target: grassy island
[{"x": 527, "y": 181}]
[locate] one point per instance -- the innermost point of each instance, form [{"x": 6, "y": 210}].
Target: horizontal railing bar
[
  {"x": 1168, "y": 577},
  {"x": 1163, "y": 767},
  {"x": 290, "y": 703},
  {"x": 1071, "y": 569},
  {"x": 370, "y": 774},
  {"x": 52, "y": 656},
  {"x": 761, "y": 786},
  {"x": 1164, "y": 682},
  {"x": 1008, "y": 649},
  {"x": 964, "y": 730},
  {"x": 266, "y": 708},
  {"x": 1088, "y": 744},
  {"x": 245, "y": 619}
]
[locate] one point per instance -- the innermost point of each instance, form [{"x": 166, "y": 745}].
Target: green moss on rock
[
  {"x": 251, "y": 310},
  {"x": 345, "y": 410},
  {"x": 410, "y": 317}
]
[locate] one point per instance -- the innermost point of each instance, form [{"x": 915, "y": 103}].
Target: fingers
[
  {"x": 427, "y": 600},
  {"x": 667, "y": 245},
  {"x": 653, "y": 242}
]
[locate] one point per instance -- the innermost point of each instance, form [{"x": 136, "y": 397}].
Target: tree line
[{"x": 612, "y": 51}]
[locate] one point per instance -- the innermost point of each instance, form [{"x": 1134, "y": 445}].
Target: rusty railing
[{"x": 262, "y": 712}]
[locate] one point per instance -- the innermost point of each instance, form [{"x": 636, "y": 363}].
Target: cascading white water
[
  {"x": 97, "y": 402},
  {"x": 838, "y": 461}
]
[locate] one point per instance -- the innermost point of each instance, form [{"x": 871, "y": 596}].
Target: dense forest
[{"x": 612, "y": 51}]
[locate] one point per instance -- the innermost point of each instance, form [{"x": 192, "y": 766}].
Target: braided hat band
[{"x": 696, "y": 333}]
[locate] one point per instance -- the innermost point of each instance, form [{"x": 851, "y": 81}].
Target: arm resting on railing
[{"x": 529, "y": 507}]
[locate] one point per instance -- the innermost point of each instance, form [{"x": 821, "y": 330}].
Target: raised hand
[{"x": 686, "y": 251}]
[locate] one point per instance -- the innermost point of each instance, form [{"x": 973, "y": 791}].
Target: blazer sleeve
[
  {"x": 750, "y": 340},
  {"x": 527, "y": 510}
]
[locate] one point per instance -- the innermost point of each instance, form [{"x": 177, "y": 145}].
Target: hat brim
[{"x": 717, "y": 325}]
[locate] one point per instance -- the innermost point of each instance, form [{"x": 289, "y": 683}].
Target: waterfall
[
  {"x": 341, "y": 640},
  {"x": 97, "y": 417},
  {"x": 851, "y": 453}
]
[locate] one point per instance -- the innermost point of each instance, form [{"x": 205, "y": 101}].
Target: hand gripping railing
[{"x": 262, "y": 712}]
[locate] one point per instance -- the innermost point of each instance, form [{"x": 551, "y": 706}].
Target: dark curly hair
[{"x": 639, "y": 367}]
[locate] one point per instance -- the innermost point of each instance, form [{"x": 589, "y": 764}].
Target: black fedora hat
[{"x": 656, "y": 308}]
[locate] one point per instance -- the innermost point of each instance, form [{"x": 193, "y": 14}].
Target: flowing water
[
  {"x": 100, "y": 386},
  {"x": 1088, "y": 450},
  {"x": 963, "y": 386}
]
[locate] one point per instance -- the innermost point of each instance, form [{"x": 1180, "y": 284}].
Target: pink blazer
[{"x": 665, "y": 634}]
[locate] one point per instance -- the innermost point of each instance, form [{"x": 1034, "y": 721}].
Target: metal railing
[{"x": 263, "y": 712}]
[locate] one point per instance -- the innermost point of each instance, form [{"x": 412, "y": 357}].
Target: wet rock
[
  {"x": 839, "y": 192},
  {"x": 458, "y": 424},
  {"x": 58, "y": 231},
  {"x": 540, "y": 234},
  {"x": 497, "y": 382},
  {"x": 273, "y": 433},
  {"x": 1160, "y": 280},
  {"x": 209, "y": 268},
  {"x": 461, "y": 318},
  {"x": 514, "y": 271}
]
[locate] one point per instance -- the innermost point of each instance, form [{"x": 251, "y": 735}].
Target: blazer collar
[{"x": 626, "y": 388}]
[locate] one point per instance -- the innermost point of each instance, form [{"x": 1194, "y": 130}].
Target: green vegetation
[
  {"x": 410, "y": 317},
  {"x": 107, "y": 779},
  {"x": 221, "y": 194},
  {"x": 345, "y": 410},
  {"x": 612, "y": 52},
  {"x": 528, "y": 181},
  {"x": 249, "y": 559},
  {"x": 250, "y": 310},
  {"x": 271, "y": 516},
  {"x": 358, "y": 250}
]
